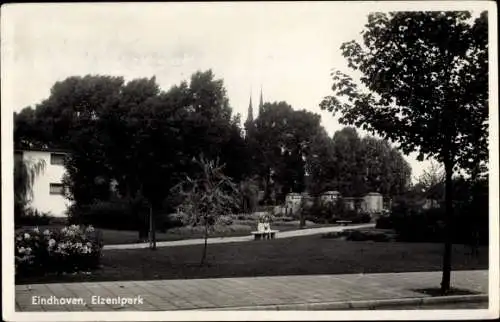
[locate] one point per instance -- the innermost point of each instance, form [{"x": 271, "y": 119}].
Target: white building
[
  {"x": 48, "y": 191},
  {"x": 330, "y": 196}
]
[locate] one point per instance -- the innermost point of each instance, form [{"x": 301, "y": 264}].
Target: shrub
[
  {"x": 249, "y": 222},
  {"x": 108, "y": 214},
  {"x": 225, "y": 220},
  {"x": 322, "y": 212},
  {"x": 428, "y": 226},
  {"x": 71, "y": 249},
  {"x": 254, "y": 216},
  {"x": 366, "y": 235},
  {"x": 384, "y": 222},
  {"x": 242, "y": 217},
  {"x": 330, "y": 212},
  {"x": 32, "y": 217},
  {"x": 217, "y": 229},
  {"x": 165, "y": 222},
  {"x": 361, "y": 235},
  {"x": 356, "y": 217},
  {"x": 423, "y": 225},
  {"x": 284, "y": 219}
]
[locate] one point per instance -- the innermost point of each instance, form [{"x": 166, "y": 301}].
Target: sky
[{"x": 287, "y": 49}]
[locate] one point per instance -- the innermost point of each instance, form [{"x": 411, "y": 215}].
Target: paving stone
[
  {"x": 55, "y": 308},
  {"x": 32, "y": 308},
  {"x": 169, "y": 295}
]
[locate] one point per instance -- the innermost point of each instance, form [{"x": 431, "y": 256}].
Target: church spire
[
  {"x": 250, "y": 111},
  {"x": 249, "y": 122}
]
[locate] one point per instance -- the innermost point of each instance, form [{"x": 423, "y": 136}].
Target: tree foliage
[
  {"x": 355, "y": 166},
  {"x": 281, "y": 141},
  {"x": 207, "y": 196},
  {"x": 25, "y": 172},
  {"x": 134, "y": 134},
  {"x": 424, "y": 85}
]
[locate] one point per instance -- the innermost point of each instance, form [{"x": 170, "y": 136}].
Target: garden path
[{"x": 220, "y": 240}]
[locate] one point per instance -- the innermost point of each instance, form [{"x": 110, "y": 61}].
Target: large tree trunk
[
  {"x": 302, "y": 220},
  {"x": 134, "y": 205},
  {"x": 204, "y": 255},
  {"x": 152, "y": 229},
  {"x": 445, "y": 283}
]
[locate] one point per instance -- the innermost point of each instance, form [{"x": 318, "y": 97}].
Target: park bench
[
  {"x": 264, "y": 231},
  {"x": 344, "y": 222},
  {"x": 264, "y": 234}
]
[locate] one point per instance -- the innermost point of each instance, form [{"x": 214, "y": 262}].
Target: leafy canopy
[{"x": 424, "y": 84}]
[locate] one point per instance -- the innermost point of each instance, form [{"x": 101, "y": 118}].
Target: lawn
[
  {"x": 116, "y": 237},
  {"x": 288, "y": 256}
]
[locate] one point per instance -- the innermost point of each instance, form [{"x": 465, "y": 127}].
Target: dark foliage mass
[
  {"x": 131, "y": 142},
  {"x": 425, "y": 86}
]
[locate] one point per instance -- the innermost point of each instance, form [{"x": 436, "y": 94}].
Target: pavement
[
  {"x": 220, "y": 240},
  {"x": 304, "y": 292}
]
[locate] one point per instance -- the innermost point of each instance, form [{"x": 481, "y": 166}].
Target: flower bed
[{"x": 68, "y": 250}]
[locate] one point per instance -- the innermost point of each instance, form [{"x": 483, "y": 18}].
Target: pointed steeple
[
  {"x": 261, "y": 102},
  {"x": 249, "y": 122},
  {"x": 250, "y": 111}
]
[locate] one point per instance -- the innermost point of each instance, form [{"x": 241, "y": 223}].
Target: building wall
[
  {"x": 329, "y": 196},
  {"x": 292, "y": 203},
  {"x": 374, "y": 202},
  {"x": 43, "y": 200}
]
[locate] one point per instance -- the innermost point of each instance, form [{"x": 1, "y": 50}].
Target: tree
[
  {"x": 321, "y": 164},
  {"x": 425, "y": 77},
  {"x": 280, "y": 141},
  {"x": 384, "y": 168},
  {"x": 207, "y": 197},
  {"x": 134, "y": 134},
  {"x": 67, "y": 120},
  {"x": 432, "y": 180},
  {"x": 25, "y": 172},
  {"x": 124, "y": 129},
  {"x": 350, "y": 174},
  {"x": 175, "y": 126},
  {"x": 27, "y": 130},
  {"x": 355, "y": 166},
  {"x": 249, "y": 193}
]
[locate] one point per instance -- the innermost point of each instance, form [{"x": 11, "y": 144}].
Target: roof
[{"x": 331, "y": 193}]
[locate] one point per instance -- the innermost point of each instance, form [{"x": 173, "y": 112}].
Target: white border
[{"x": 8, "y": 289}]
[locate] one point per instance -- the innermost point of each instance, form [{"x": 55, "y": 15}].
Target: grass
[
  {"x": 239, "y": 228},
  {"x": 289, "y": 256}
]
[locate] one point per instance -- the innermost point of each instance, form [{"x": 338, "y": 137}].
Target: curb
[{"x": 362, "y": 305}]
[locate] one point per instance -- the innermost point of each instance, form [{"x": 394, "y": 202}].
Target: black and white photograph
[{"x": 250, "y": 161}]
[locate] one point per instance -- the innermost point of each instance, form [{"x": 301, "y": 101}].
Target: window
[
  {"x": 56, "y": 189},
  {"x": 57, "y": 158}
]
